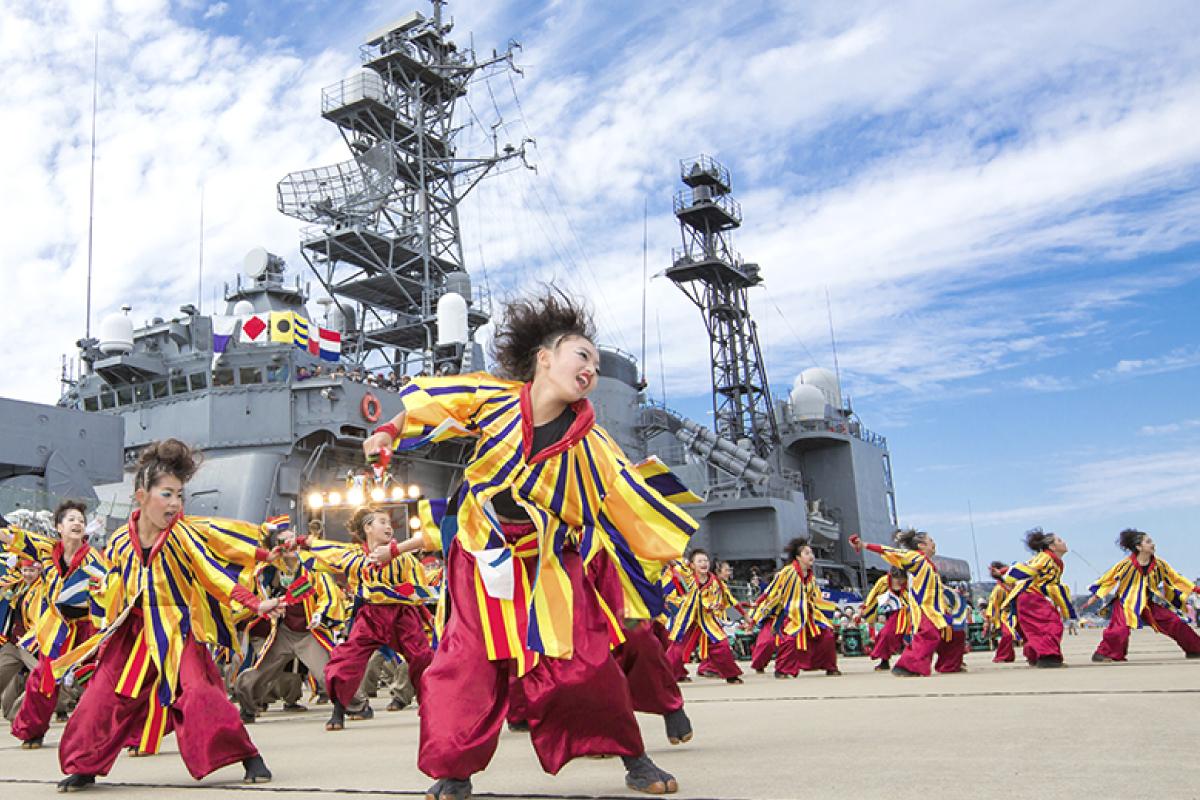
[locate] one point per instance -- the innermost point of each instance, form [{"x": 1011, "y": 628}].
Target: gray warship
[{"x": 281, "y": 420}]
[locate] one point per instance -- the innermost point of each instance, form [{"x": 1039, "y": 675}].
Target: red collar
[
  {"x": 585, "y": 418},
  {"x": 1058, "y": 561},
  {"x": 1144, "y": 570},
  {"x": 800, "y": 572},
  {"x": 63, "y": 567},
  {"x": 158, "y": 543}
]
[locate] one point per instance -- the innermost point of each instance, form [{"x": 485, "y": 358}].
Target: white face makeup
[{"x": 571, "y": 367}]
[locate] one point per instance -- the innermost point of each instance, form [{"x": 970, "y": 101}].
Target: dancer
[
  {"x": 953, "y": 650},
  {"x": 20, "y": 601},
  {"x": 1041, "y": 599},
  {"x": 1000, "y": 618},
  {"x": 65, "y": 614},
  {"x": 545, "y": 492},
  {"x": 805, "y": 637},
  {"x": 929, "y": 630},
  {"x": 390, "y": 590},
  {"x": 890, "y": 602},
  {"x": 1146, "y": 591},
  {"x": 701, "y": 602},
  {"x": 170, "y": 590},
  {"x": 315, "y": 610}
]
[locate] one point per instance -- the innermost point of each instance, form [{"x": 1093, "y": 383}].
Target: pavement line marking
[
  {"x": 911, "y": 695},
  {"x": 314, "y": 790}
]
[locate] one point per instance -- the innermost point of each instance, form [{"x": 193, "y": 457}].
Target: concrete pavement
[{"x": 1088, "y": 731}]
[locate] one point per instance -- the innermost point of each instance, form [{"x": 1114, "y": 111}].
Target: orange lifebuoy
[{"x": 370, "y": 408}]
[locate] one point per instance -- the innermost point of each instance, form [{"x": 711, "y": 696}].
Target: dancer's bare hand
[
  {"x": 376, "y": 442},
  {"x": 382, "y": 554},
  {"x": 271, "y": 608}
]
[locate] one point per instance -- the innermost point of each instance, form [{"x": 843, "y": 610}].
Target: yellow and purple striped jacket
[
  {"x": 997, "y": 613},
  {"x": 20, "y": 601},
  {"x": 907, "y": 612},
  {"x": 1041, "y": 574},
  {"x": 401, "y": 581},
  {"x": 587, "y": 497},
  {"x": 924, "y": 585},
  {"x": 65, "y": 586},
  {"x": 695, "y": 604},
  {"x": 1136, "y": 587},
  {"x": 796, "y": 603},
  {"x": 185, "y": 588}
]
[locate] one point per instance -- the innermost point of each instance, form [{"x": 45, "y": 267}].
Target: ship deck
[{"x": 998, "y": 731}]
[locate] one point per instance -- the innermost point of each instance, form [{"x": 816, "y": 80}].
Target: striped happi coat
[
  {"x": 587, "y": 497},
  {"x": 183, "y": 589},
  {"x": 1041, "y": 574},
  {"x": 924, "y": 586},
  {"x": 796, "y": 603},
  {"x": 22, "y": 602},
  {"x": 998, "y": 614},
  {"x": 65, "y": 586},
  {"x": 1136, "y": 587},
  {"x": 698, "y": 604},
  {"x": 325, "y": 607},
  {"x": 401, "y": 581},
  {"x": 908, "y": 609}
]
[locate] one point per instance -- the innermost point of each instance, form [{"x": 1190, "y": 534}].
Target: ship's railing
[
  {"x": 706, "y": 165},
  {"x": 339, "y": 192},
  {"x": 366, "y": 85},
  {"x": 688, "y": 198},
  {"x": 845, "y": 427},
  {"x": 400, "y": 43},
  {"x": 686, "y": 255}
]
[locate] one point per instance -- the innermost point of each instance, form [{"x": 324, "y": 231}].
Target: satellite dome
[
  {"x": 808, "y": 402},
  {"x": 451, "y": 319},
  {"x": 243, "y": 308},
  {"x": 824, "y": 380},
  {"x": 116, "y": 335}
]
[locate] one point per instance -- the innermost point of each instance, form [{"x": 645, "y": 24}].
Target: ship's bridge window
[
  {"x": 179, "y": 384},
  {"x": 223, "y": 377},
  {"x": 158, "y": 389},
  {"x": 91, "y": 403},
  {"x": 198, "y": 380},
  {"x": 107, "y": 399},
  {"x": 247, "y": 375},
  {"x": 141, "y": 392},
  {"x": 124, "y": 395},
  {"x": 277, "y": 373}
]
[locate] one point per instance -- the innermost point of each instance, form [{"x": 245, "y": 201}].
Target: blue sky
[{"x": 999, "y": 198}]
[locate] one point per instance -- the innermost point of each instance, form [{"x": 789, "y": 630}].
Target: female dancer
[
  {"x": 1145, "y": 589},
  {"x": 929, "y": 630},
  {"x": 391, "y": 590},
  {"x": 890, "y": 602},
  {"x": 701, "y": 602},
  {"x": 1041, "y": 599},
  {"x": 65, "y": 614},
  {"x": 169, "y": 591},
  {"x": 998, "y": 617},
  {"x": 545, "y": 492},
  {"x": 806, "y": 637},
  {"x": 20, "y": 601}
]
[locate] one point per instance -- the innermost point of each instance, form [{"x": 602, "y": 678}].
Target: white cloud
[
  {"x": 1178, "y": 359},
  {"x": 216, "y": 10},
  {"x": 1169, "y": 428}
]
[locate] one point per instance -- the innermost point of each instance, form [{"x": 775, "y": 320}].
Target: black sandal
[
  {"x": 449, "y": 789},
  {"x": 643, "y": 775}
]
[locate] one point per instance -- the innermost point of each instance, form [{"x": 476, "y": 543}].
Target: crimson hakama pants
[
  {"x": 206, "y": 724},
  {"x": 820, "y": 653},
  {"x": 41, "y": 692},
  {"x": 950, "y": 652},
  {"x": 1115, "y": 642},
  {"x": 1005, "y": 654},
  {"x": 764, "y": 647},
  {"x": 1040, "y": 625},
  {"x": 889, "y": 641},
  {"x": 720, "y": 656},
  {"x": 395, "y": 625},
  {"x": 918, "y": 656},
  {"x": 652, "y": 684},
  {"x": 577, "y": 706}
]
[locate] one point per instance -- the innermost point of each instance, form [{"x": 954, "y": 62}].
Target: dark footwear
[
  {"x": 294, "y": 708},
  {"x": 256, "y": 770},
  {"x": 833, "y": 673},
  {"x": 1101, "y": 659},
  {"x": 642, "y": 775},
  {"x": 1050, "y": 662},
  {"x": 679, "y": 727},
  {"x": 76, "y": 783},
  {"x": 133, "y": 752},
  {"x": 449, "y": 789},
  {"x": 519, "y": 726},
  {"x": 366, "y": 713},
  {"x": 322, "y": 698},
  {"x": 685, "y": 679},
  {"x": 734, "y": 680},
  {"x": 1193, "y": 655},
  {"x": 337, "y": 720},
  {"x": 883, "y": 666},
  {"x": 32, "y": 744},
  {"x": 780, "y": 676},
  {"x": 247, "y": 717},
  {"x": 760, "y": 671},
  {"x": 263, "y": 708},
  {"x": 61, "y": 716},
  {"x": 396, "y": 705},
  {"x": 901, "y": 672}
]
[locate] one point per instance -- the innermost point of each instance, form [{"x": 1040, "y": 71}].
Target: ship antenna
[
  {"x": 200, "y": 266},
  {"x": 645, "y": 247},
  {"x": 833, "y": 342},
  {"x": 974, "y": 544},
  {"x": 662, "y": 367},
  {"x": 92, "y": 184}
]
